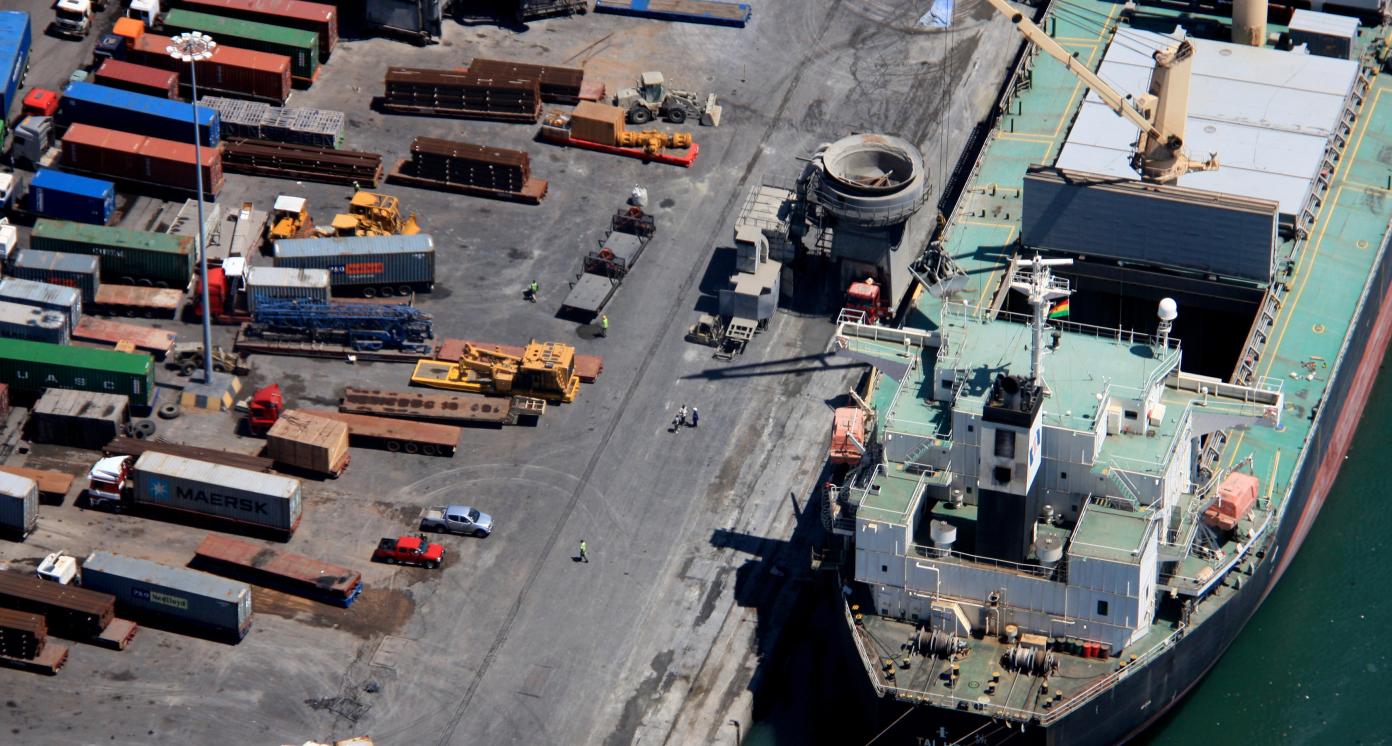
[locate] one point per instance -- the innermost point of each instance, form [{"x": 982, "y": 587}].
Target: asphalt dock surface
[{"x": 695, "y": 554}]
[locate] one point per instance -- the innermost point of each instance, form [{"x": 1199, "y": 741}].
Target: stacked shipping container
[
  {"x": 199, "y": 600},
  {"x": 136, "y": 113},
  {"x": 54, "y": 194},
  {"x": 302, "y": 47},
  {"x": 239, "y": 72},
  {"x": 59, "y": 268},
  {"x": 35, "y": 366},
  {"x": 127, "y": 256},
  {"x": 317, "y": 17},
  {"x": 138, "y": 79},
  {"x": 137, "y": 158},
  {"x": 365, "y": 263}
]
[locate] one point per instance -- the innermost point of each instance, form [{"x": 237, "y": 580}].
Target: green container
[
  {"x": 35, "y": 366},
  {"x": 302, "y": 47},
  {"x": 127, "y": 256}
]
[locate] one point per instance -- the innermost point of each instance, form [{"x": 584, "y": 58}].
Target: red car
[{"x": 409, "y": 550}]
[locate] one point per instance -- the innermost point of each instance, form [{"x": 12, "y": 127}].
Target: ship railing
[
  {"x": 882, "y": 687},
  {"x": 1200, "y": 586},
  {"x": 962, "y": 558},
  {"x": 1069, "y": 704},
  {"x": 1116, "y": 334}
]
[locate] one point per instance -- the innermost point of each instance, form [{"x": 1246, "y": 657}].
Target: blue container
[
  {"x": 15, "y": 38},
  {"x": 128, "y": 111},
  {"x": 55, "y": 194}
]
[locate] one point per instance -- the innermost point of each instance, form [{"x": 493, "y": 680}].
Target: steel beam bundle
[
  {"x": 302, "y": 162},
  {"x": 467, "y": 94},
  {"x": 470, "y": 169}
]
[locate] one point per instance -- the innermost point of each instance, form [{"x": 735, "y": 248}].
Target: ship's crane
[{"x": 1160, "y": 114}]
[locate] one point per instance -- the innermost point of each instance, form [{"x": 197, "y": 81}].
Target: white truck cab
[
  {"x": 144, "y": 10},
  {"x": 106, "y": 479},
  {"x": 73, "y": 17},
  {"x": 59, "y": 568}
]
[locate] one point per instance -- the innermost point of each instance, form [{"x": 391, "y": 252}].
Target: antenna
[
  {"x": 1040, "y": 288},
  {"x": 1168, "y": 312}
]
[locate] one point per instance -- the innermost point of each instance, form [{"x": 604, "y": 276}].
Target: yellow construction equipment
[
  {"x": 372, "y": 214},
  {"x": 546, "y": 370},
  {"x": 290, "y": 218},
  {"x": 653, "y": 141}
]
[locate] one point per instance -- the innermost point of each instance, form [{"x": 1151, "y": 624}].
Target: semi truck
[
  {"x": 227, "y": 493},
  {"x": 191, "y": 599}
]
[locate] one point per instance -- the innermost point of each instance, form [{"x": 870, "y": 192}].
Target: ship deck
[{"x": 1318, "y": 301}]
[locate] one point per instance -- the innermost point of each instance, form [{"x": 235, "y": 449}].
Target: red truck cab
[
  {"x": 106, "y": 480},
  {"x": 864, "y": 296},
  {"x": 409, "y": 550},
  {"x": 40, "y": 102}
]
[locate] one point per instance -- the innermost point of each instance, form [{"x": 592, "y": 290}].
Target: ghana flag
[{"x": 1059, "y": 310}]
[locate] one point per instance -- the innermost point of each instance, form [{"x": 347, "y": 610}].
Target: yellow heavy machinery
[
  {"x": 545, "y": 370},
  {"x": 372, "y": 214},
  {"x": 654, "y": 141},
  {"x": 290, "y": 218}
]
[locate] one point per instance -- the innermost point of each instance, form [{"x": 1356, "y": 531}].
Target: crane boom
[
  {"x": 1160, "y": 155},
  {"x": 1110, "y": 96}
]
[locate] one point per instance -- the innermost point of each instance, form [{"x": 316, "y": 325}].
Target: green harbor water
[{"x": 1314, "y": 666}]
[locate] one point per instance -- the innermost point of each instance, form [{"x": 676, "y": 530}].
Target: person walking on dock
[
  {"x": 603, "y": 325},
  {"x": 695, "y": 417},
  {"x": 680, "y": 420},
  {"x": 584, "y": 552},
  {"x": 533, "y": 290}
]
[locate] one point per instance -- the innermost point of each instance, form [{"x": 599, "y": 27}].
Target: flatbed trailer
[
  {"x": 50, "y": 482},
  {"x": 440, "y": 406},
  {"x": 91, "y": 329},
  {"x": 302, "y": 348},
  {"x": 397, "y": 435},
  {"x": 137, "y": 300},
  {"x": 530, "y": 194},
  {"x": 603, "y": 269},
  {"x": 75, "y": 613},
  {"x": 587, "y": 367},
  {"x": 279, "y": 569},
  {"x": 559, "y": 136},
  {"x": 133, "y": 447},
  {"x": 49, "y": 660},
  {"x": 710, "y": 12},
  {"x": 590, "y": 293}
]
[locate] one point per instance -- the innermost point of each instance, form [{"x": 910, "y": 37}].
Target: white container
[{"x": 285, "y": 282}]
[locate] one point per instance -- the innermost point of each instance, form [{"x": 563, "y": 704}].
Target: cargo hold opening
[{"x": 1214, "y": 316}]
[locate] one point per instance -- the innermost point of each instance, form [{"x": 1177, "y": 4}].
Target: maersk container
[
  {"x": 19, "y": 504},
  {"x": 302, "y": 47},
  {"x": 285, "y": 282},
  {"x": 371, "y": 264},
  {"x": 15, "y": 38},
  {"x": 55, "y": 194},
  {"x": 59, "y": 268},
  {"x": 205, "y": 602},
  {"x": 249, "y": 497},
  {"x": 127, "y": 256},
  {"x": 36, "y": 366},
  {"x": 18, "y": 321},
  {"x": 66, "y": 301},
  {"x": 137, "y": 113}
]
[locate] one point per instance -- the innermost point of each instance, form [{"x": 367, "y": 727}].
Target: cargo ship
[{"x": 1096, "y": 434}]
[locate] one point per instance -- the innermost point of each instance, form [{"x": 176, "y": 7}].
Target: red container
[
  {"x": 138, "y": 78},
  {"x": 239, "y": 72},
  {"x": 317, "y": 17},
  {"x": 123, "y": 156}
]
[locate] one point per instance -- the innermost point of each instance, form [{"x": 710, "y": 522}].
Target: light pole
[{"x": 192, "y": 47}]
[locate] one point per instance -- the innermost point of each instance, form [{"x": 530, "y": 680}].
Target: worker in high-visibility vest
[{"x": 603, "y": 325}]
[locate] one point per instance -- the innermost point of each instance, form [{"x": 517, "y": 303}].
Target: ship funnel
[
  {"x": 1249, "y": 22},
  {"x": 1168, "y": 311}
]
